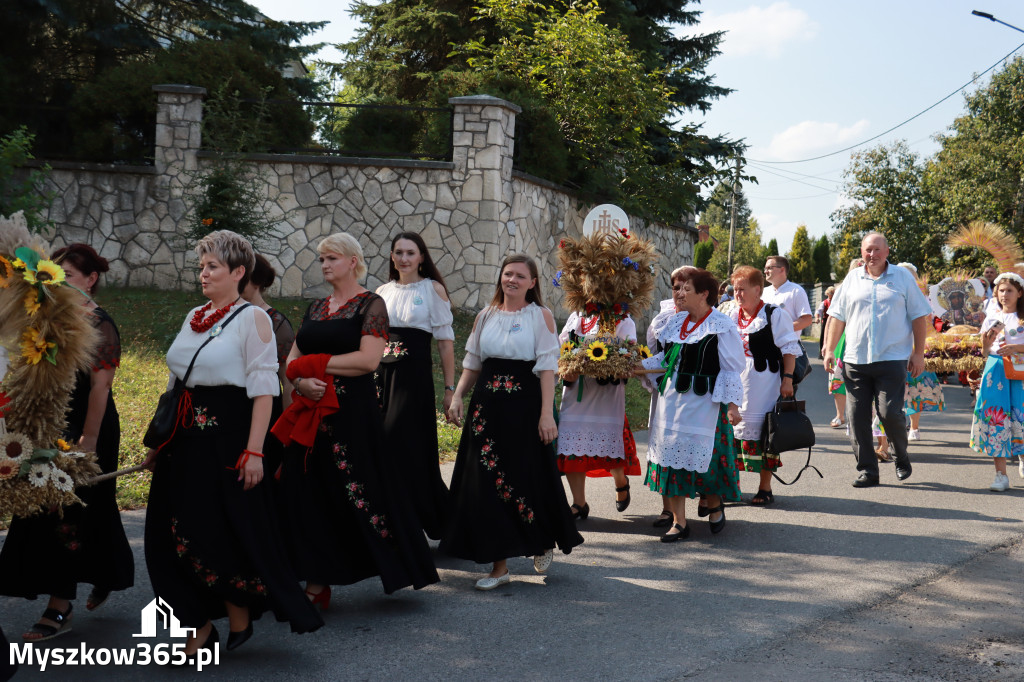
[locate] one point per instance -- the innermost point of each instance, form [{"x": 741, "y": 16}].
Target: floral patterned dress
[
  {"x": 998, "y": 428},
  {"x": 507, "y": 498},
  {"x": 46, "y": 554},
  {"x": 344, "y": 519}
]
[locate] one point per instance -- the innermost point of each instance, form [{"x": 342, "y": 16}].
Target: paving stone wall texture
[{"x": 471, "y": 212}]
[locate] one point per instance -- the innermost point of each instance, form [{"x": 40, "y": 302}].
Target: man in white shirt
[
  {"x": 785, "y": 294},
  {"x": 885, "y": 317},
  {"x": 988, "y": 275}
]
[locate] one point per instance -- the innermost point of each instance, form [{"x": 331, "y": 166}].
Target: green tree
[
  {"x": 719, "y": 207},
  {"x": 978, "y": 173},
  {"x": 886, "y": 189},
  {"x": 801, "y": 262},
  {"x": 772, "y": 249},
  {"x": 561, "y": 62},
  {"x": 747, "y": 248},
  {"x": 21, "y": 190},
  {"x": 702, "y": 253},
  {"x": 822, "y": 258}
]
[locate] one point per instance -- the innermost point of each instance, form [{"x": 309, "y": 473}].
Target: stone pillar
[
  {"x": 483, "y": 138},
  {"x": 179, "y": 118}
]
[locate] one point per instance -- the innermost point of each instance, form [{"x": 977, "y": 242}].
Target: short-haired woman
[
  {"x": 418, "y": 310},
  {"x": 345, "y": 520},
  {"x": 507, "y": 497},
  {"x": 212, "y": 545},
  {"x": 690, "y": 445},
  {"x": 770, "y": 347},
  {"x": 47, "y": 554}
]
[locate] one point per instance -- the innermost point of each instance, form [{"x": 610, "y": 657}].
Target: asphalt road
[{"x": 918, "y": 580}]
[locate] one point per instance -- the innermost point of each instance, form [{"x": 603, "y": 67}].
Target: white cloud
[
  {"x": 760, "y": 30},
  {"x": 810, "y": 137}
]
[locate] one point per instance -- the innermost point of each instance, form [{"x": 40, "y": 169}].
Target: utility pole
[{"x": 732, "y": 218}]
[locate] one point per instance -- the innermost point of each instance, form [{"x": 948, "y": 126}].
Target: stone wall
[{"x": 471, "y": 211}]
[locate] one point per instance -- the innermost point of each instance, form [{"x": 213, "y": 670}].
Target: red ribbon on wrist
[{"x": 244, "y": 458}]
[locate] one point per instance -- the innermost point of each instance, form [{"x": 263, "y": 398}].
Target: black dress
[
  {"x": 207, "y": 539},
  {"x": 46, "y": 554},
  {"x": 405, "y": 386},
  {"x": 284, "y": 336},
  {"x": 345, "y": 521},
  {"x": 507, "y": 497}
]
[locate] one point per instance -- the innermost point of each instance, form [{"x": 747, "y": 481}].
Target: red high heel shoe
[{"x": 321, "y": 598}]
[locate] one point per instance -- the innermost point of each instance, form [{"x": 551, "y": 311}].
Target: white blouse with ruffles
[
  {"x": 761, "y": 389},
  {"x": 235, "y": 357},
  {"x": 520, "y": 335},
  {"x": 418, "y": 305},
  {"x": 682, "y": 431}
]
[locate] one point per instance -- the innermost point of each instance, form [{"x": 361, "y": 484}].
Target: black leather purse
[
  {"x": 165, "y": 419},
  {"x": 785, "y": 428}
]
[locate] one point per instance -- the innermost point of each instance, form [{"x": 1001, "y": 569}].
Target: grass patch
[{"x": 149, "y": 320}]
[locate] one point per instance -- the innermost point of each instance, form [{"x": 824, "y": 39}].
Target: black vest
[
  {"x": 698, "y": 365},
  {"x": 763, "y": 349}
]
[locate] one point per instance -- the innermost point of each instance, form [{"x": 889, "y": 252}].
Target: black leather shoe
[
  {"x": 664, "y": 520},
  {"x": 237, "y": 639},
  {"x": 717, "y": 526},
  {"x": 903, "y": 470},
  {"x": 866, "y": 480},
  {"x": 684, "y": 532},
  {"x": 621, "y": 505}
]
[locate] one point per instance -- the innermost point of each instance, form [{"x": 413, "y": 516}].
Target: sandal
[
  {"x": 883, "y": 455},
  {"x": 621, "y": 505},
  {"x": 580, "y": 513},
  {"x": 762, "y": 498},
  {"x": 836, "y": 423},
  {"x": 44, "y": 631},
  {"x": 665, "y": 519}
]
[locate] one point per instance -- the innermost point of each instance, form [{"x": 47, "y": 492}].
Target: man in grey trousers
[{"x": 885, "y": 317}]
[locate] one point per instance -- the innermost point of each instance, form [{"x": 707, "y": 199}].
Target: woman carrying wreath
[
  {"x": 690, "y": 446},
  {"x": 213, "y": 546},
  {"x": 507, "y": 499},
  {"x": 345, "y": 520},
  {"x": 418, "y": 310},
  {"x": 47, "y": 554},
  {"x": 593, "y": 435},
  {"x": 770, "y": 347}
]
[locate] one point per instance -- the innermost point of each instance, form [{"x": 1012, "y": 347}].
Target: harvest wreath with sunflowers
[
  {"x": 43, "y": 314},
  {"x": 604, "y": 275}
]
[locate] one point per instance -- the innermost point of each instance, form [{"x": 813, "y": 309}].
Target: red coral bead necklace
[
  {"x": 199, "y": 325},
  {"x": 686, "y": 329},
  {"x": 744, "y": 320}
]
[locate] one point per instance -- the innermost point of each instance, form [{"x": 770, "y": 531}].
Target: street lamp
[{"x": 986, "y": 15}]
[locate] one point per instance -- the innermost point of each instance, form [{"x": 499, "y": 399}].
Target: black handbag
[
  {"x": 802, "y": 366},
  {"x": 785, "y": 428},
  {"x": 164, "y": 423}
]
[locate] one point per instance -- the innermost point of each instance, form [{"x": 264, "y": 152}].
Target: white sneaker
[
  {"x": 914, "y": 434},
  {"x": 490, "y": 583},
  {"x": 542, "y": 562},
  {"x": 1000, "y": 484},
  {"x": 1021, "y": 469}
]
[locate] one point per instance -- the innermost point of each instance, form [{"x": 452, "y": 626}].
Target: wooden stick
[{"x": 114, "y": 474}]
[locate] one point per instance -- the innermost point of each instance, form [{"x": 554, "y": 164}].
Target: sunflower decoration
[
  {"x": 567, "y": 348},
  {"x": 605, "y": 276},
  {"x": 597, "y": 351},
  {"x": 644, "y": 351},
  {"x": 43, "y": 314}
]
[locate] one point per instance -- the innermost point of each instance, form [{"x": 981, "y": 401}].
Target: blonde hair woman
[{"x": 344, "y": 519}]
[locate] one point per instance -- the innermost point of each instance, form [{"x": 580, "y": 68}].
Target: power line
[
  {"x": 802, "y": 182},
  {"x": 809, "y": 196},
  {"x": 898, "y": 125},
  {"x": 802, "y": 175}
]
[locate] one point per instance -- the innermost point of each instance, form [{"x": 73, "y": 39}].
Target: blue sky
[{"x": 810, "y": 78}]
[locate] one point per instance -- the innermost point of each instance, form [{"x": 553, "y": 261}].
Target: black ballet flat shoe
[
  {"x": 664, "y": 520},
  {"x": 684, "y": 532},
  {"x": 622, "y": 505},
  {"x": 717, "y": 526},
  {"x": 237, "y": 639},
  {"x": 580, "y": 513},
  {"x": 702, "y": 510}
]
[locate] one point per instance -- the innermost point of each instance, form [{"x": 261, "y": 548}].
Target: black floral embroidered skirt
[
  {"x": 345, "y": 521},
  {"x": 507, "y": 498},
  {"x": 405, "y": 387},
  {"x": 209, "y": 541}
]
